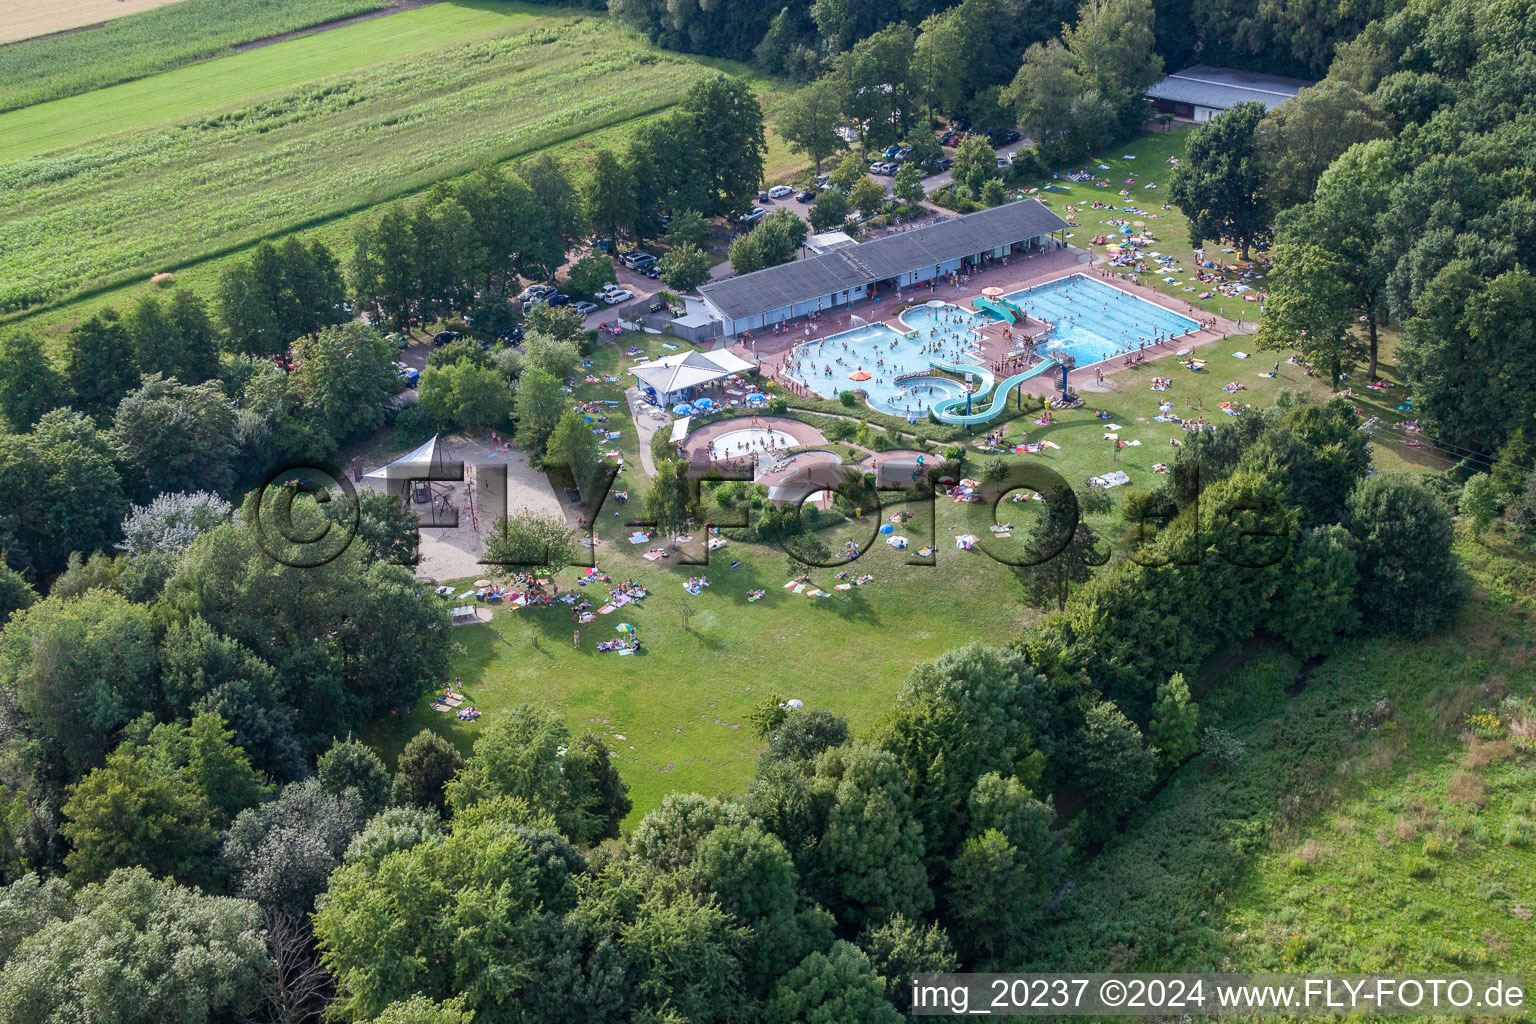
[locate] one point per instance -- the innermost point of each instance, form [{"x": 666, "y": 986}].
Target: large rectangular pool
[{"x": 1095, "y": 321}]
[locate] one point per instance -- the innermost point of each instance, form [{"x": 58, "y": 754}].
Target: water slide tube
[{"x": 945, "y": 411}]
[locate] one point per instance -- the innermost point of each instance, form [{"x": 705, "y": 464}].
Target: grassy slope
[
  {"x": 150, "y": 41},
  {"x": 1171, "y": 229},
  {"x": 1338, "y": 846}
]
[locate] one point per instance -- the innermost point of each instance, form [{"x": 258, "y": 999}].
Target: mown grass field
[
  {"x": 1145, "y": 160},
  {"x": 127, "y": 205},
  {"x": 1356, "y": 836},
  {"x": 138, "y": 41}
]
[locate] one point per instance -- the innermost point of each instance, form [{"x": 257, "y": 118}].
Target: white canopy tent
[
  {"x": 413, "y": 465},
  {"x": 669, "y": 378}
]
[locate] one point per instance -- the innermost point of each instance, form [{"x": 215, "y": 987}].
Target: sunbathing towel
[
  {"x": 650, "y": 556},
  {"x": 790, "y": 585},
  {"x": 639, "y": 537},
  {"x": 735, "y": 565},
  {"x": 606, "y": 609},
  {"x": 843, "y": 586}
]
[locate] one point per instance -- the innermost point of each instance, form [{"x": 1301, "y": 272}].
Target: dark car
[
  {"x": 1012, "y": 135},
  {"x": 762, "y": 197},
  {"x": 559, "y": 299},
  {"x": 444, "y": 337},
  {"x": 514, "y": 335},
  {"x": 805, "y": 196},
  {"x": 949, "y": 139}
]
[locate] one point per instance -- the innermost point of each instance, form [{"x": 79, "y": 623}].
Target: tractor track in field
[{"x": 326, "y": 26}]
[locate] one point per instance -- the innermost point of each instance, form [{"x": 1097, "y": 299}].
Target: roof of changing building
[
  {"x": 1225, "y": 88},
  {"x": 890, "y": 256}
]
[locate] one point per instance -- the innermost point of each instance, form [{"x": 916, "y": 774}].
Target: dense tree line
[{"x": 803, "y": 38}]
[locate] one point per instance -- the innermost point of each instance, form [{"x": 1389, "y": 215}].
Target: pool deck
[{"x": 997, "y": 351}]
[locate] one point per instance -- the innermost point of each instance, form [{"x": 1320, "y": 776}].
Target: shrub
[
  {"x": 849, "y": 399},
  {"x": 1221, "y": 749},
  {"x": 1519, "y": 832}
]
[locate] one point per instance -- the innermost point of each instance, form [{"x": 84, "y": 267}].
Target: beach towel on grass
[
  {"x": 606, "y": 609},
  {"x": 1114, "y": 479},
  {"x": 843, "y": 586},
  {"x": 639, "y": 538}
]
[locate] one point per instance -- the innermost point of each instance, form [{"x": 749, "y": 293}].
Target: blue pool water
[
  {"x": 826, "y": 365},
  {"x": 1095, "y": 321},
  {"x": 922, "y": 393}
]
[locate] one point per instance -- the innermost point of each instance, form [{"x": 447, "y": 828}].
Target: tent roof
[
  {"x": 411, "y": 465},
  {"x": 688, "y": 369}
]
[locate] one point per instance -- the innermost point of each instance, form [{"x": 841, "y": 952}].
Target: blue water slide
[{"x": 944, "y": 411}]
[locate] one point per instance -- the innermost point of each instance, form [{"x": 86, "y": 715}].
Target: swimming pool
[
  {"x": 917, "y": 394},
  {"x": 1095, "y": 321},
  {"x": 938, "y": 332},
  {"x": 759, "y": 440}
]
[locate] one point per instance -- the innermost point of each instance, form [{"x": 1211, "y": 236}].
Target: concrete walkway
[{"x": 648, "y": 419}]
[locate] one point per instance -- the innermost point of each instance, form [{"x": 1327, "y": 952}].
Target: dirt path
[{"x": 326, "y": 26}]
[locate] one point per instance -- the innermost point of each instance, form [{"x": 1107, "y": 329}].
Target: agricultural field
[
  {"x": 100, "y": 214},
  {"x": 146, "y": 36}
]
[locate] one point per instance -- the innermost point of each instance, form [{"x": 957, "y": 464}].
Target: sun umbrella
[
  {"x": 887, "y": 528},
  {"x": 703, "y": 403},
  {"x": 992, "y": 292},
  {"x": 1139, "y": 223},
  {"x": 795, "y": 702},
  {"x": 482, "y": 583},
  {"x": 1182, "y": 352},
  {"x": 623, "y": 627},
  {"x": 682, "y": 410},
  {"x": 859, "y": 375},
  {"x": 756, "y": 398}
]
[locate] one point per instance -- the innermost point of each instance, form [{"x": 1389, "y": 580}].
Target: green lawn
[
  {"x": 682, "y": 705},
  {"x": 1150, "y": 153}
]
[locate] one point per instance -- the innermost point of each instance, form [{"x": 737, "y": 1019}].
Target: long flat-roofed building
[
  {"x": 1201, "y": 92},
  {"x": 850, "y": 273}
]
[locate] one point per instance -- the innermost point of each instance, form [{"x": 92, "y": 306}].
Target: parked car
[
  {"x": 949, "y": 139},
  {"x": 409, "y": 375},
  {"x": 643, "y": 265},
  {"x": 780, "y": 191},
  {"x": 558, "y": 299},
  {"x": 762, "y": 197},
  {"x": 891, "y": 151},
  {"x": 1012, "y": 135},
  {"x": 535, "y": 290},
  {"x": 753, "y": 215},
  {"x": 584, "y": 308},
  {"x": 633, "y": 256},
  {"x": 651, "y": 270},
  {"x": 444, "y": 337},
  {"x": 514, "y": 335},
  {"x": 1002, "y": 161},
  {"x": 903, "y": 153},
  {"x": 806, "y": 196},
  {"x": 823, "y": 180},
  {"x": 613, "y": 294},
  {"x": 890, "y": 168}
]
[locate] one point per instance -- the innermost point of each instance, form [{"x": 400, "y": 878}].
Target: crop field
[
  {"x": 133, "y": 203},
  {"x": 25, "y": 19},
  {"x": 241, "y": 79},
  {"x": 139, "y": 44}
]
